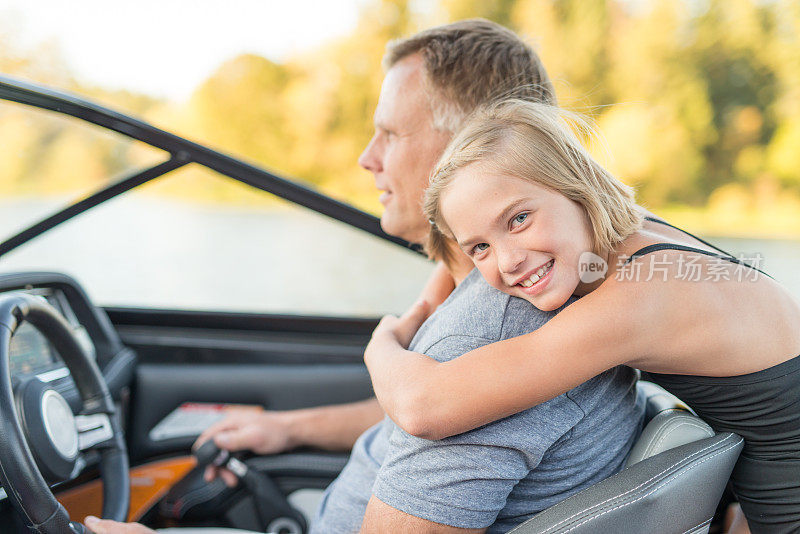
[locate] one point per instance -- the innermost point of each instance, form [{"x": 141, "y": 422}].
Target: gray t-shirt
[{"x": 505, "y": 472}]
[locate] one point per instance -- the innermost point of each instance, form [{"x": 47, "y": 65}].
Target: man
[
  {"x": 498, "y": 475},
  {"x": 508, "y": 470}
]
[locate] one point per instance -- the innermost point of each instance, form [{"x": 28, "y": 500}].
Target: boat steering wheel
[{"x": 41, "y": 441}]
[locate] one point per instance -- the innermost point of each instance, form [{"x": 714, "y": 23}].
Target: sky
[{"x": 166, "y": 48}]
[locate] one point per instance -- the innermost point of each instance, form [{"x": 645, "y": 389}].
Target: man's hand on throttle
[{"x": 262, "y": 432}]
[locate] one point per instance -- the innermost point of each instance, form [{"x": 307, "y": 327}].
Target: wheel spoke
[{"x": 93, "y": 430}]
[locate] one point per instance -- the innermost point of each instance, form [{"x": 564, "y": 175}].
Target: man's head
[{"x": 434, "y": 80}]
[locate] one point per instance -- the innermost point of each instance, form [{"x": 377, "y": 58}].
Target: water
[
  {"x": 778, "y": 257},
  {"x": 142, "y": 251}
]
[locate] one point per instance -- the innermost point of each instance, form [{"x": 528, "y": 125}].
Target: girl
[{"x": 543, "y": 221}]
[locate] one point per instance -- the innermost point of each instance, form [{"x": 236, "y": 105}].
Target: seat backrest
[
  {"x": 674, "y": 477},
  {"x": 669, "y": 424}
]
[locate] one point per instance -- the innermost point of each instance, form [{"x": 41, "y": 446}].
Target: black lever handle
[
  {"x": 275, "y": 511},
  {"x": 209, "y": 454}
]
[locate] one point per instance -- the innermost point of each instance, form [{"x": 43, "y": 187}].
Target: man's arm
[
  {"x": 332, "y": 428},
  {"x": 380, "y": 517}
]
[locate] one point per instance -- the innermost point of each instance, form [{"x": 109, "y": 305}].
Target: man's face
[{"x": 404, "y": 149}]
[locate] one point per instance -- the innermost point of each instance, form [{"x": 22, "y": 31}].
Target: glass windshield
[
  {"x": 49, "y": 160},
  {"x": 196, "y": 240}
]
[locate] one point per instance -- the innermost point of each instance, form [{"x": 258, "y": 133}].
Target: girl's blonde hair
[{"x": 535, "y": 142}]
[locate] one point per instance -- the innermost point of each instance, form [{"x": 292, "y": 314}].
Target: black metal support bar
[
  {"x": 42, "y": 97},
  {"x": 117, "y": 188}
]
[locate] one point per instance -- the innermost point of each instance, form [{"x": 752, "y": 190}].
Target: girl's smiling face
[{"x": 525, "y": 239}]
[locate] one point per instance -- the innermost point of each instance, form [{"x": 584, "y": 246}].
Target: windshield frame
[{"x": 182, "y": 152}]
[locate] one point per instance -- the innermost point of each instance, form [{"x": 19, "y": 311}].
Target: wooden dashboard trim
[{"x": 149, "y": 483}]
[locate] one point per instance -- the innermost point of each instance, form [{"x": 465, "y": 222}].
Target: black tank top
[
  {"x": 764, "y": 409},
  {"x": 674, "y": 246}
]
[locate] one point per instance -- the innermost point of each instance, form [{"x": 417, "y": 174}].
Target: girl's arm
[
  {"x": 434, "y": 400},
  {"x": 436, "y": 290},
  {"x": 438, "y": 287}
]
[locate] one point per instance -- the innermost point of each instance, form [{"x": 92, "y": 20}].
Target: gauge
[{"x": 30, "y": 352}]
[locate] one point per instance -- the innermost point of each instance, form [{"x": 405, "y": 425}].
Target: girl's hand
[
  {"x": 401, "y": 330},
  {"x": 394, "y": 370}
]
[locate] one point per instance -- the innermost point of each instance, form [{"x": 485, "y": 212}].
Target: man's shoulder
[
  {"x": 473, "y": 310},
  {"x": 522, "y": 317},
  {"x": 478, "y": 313}
]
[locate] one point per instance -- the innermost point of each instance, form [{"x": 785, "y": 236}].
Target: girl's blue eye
[
  {"x": 521, "y": 218},
  {"x": 480, "y": 247}
]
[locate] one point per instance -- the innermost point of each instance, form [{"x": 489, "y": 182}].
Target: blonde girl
[{"x": 517, "y": 192}]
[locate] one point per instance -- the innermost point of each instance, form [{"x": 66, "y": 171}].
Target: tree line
[{"x": 697, "y": 101}]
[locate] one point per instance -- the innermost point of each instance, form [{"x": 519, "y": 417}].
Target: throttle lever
[{"x": 274, "y": 510}]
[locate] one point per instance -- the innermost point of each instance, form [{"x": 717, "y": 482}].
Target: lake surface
[
  {"x": 147, "y": 252},
  {"x": 142, "y": 251}
]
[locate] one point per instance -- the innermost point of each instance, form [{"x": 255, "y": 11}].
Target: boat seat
[{"x": 674, "y": 478}]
